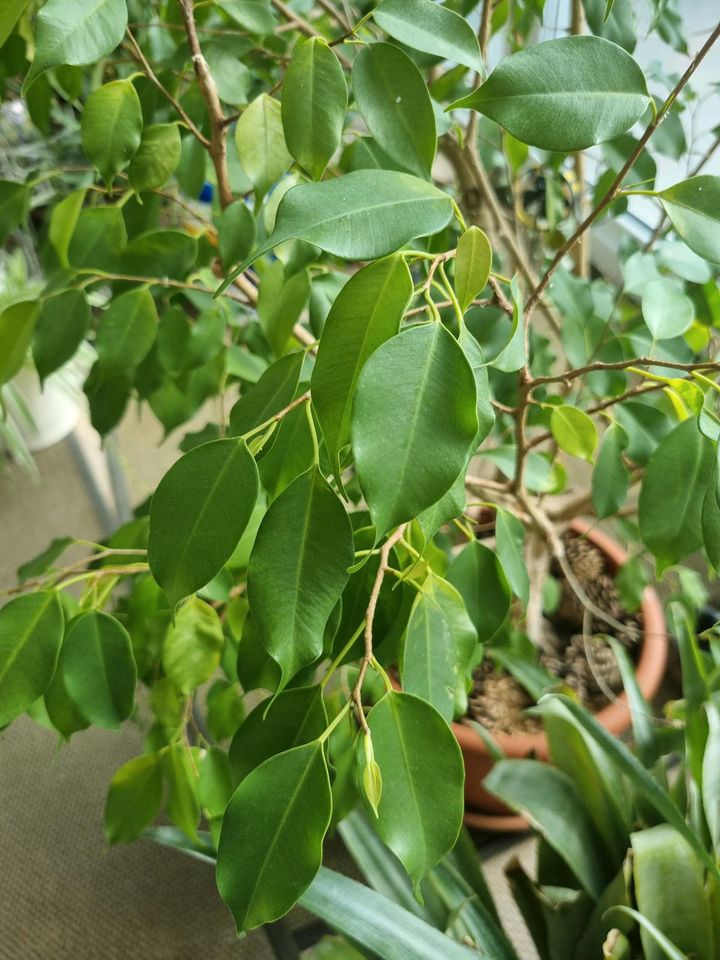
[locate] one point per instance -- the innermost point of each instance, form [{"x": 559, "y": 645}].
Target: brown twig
[{"x": 569, "y": 375}]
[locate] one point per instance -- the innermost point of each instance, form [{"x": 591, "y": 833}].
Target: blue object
[{"x": 206, "y": 194}]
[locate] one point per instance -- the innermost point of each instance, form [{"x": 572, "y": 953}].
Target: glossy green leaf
[
  {"x": 271, "y": 841},
  {"x": 160, "y": 253},
  {"x": 365, "y": 314},
  {"x": 693, "y": 207},
  {"x": 574, "y": 431},
  {"x": 10, "y": 14},
  {"x": 406, "y": 731},
  {"x": 13, "y": 204},
  {"x": 198, "y": 514},
  {"x": 671, "y": 494},
  {"x": 271, "y": 394},
  {"x": 236, "y": 232},
  {"x": 134, "y": 798},
  {"x": 181, "y": 780},
  {"x": 473, "y": 261},
  {"x": 476, "y": 358},
  {"x": 407, "y": 462},
  {"x": 510, "y": 549},
  {"x": 512, "y": 357},
  {"x": 564, "y": 94},
  {"x": 254, "y": 15},
  {"x": 214, "y": 784},
  {"x": 432, "y": 28},
  {"x": 98, "y": 240},
  {"x": 31, "y": 631},
  {"x": 298, "y": 569},
  {"x": 192, "y": 645},
  {"x": 478, "y": 576},
  {"x": 225, "y": 710},
  {"x": 126, "y": 331},
  {"x": 60, "y": 329},
  {"x": 360, "y": 216},
  {"x": 111, "y": 127},
  {"x": 75, "y": 32},
  {"x": 610, "y": 478},
  {"x": 17, "y": 323},
  {"x": 157, "y": 157},
  {"x": 428, "y": 665},
  {"x": 99, "y": 669},
  {"x": 281, "y": 300},
  {"x": 314, "y": 102},
  {"x": 394, "y": 101},
  {"x": 261, "y": 144},
  {"x": 667, "y": 312}
]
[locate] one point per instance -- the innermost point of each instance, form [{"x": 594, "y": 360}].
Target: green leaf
[
  {"x": 281, "y": 300},
  {"x": 365, "y": 314},
  {"x": 198, "y": 514},
  {"x": 510, "y": 549},
  {"x": 75, "y": 32},
  {"x": 478, "y": 576},
  {"x": 394, "y": 101},
  {"x": 261, "y": 144},
  {"x": 157, "y": 157},
  {"x": 63, "y": 220},
  {"x": 294, "y": 717},
  {"x": 45, "y": 560},
  {"x": 314, "y": 102},
  {"x": 60, "y": 329},
  {"x": 271, "y": 841},
  {"x": 126, "y": 331},
  {"x": 512, "y": 357},
  {"x": 298, "y": 569},
  {"x": 111, "y": 127},
  {"x": 134, "y": 798},
  {"x": 361, "y": 216},
  {"x": 693, "y": 207},
  {"x": 99, "y": 669},
  {"x": 271, "y": 394},
  {"x": 429, "y": 657},
  {"x": 236, "y": 232},
  {"x": 192, "y": 645},
  {"x": 225, "y": 709},
  {"x": 432, "y": 28},
  {"x": 254, "y": 15},
  {"x": 610, "y": 478},
  {"x": 31, "y": 631},
  {"x": 181, "y": 778},
  {"x": 406, "y": 462},
  {"x": 13, "y": 204},
  {"x": 651, "y": 935},
  {"x": 98, "y": 240},
  {"x": 214, "y": 785},
  {"x": 671, "y": 495},
  {"x": 9, "y": 16},
  {"x": 406, "y": 732},
  {"x": 160, "y": 253},
  {"x": 667, "y": 312},
  {"x": 473, "y": 261},
  {"x": 565, "y": 94},
  {"x": 574, "y": 431},
  {"x": 17, "y": 323}
]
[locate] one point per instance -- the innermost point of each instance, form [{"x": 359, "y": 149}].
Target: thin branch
[
  {"x": 99, "y": 275},
  {"x": 304, "y": 27},
  {"x": 483, "y": 38},
  {"x": 569, "y": 375}
]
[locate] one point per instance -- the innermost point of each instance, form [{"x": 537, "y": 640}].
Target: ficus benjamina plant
[{"x": 366, "y": 256}]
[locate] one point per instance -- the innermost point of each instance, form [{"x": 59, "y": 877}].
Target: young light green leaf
[
  {"x": 31, "y": 631},
  {"x": 111, "y": 127},
  {"x": 261, "y": 144},
  {"x": 610, "y": 478},
  {"x": 432, "y": 28},
  {"x": 363, "y": 215},
  {"x": 126, "y": 331},
  {"x": 272, "y": 833},
  {"x": 192, "y": 645},
  {"x": 75, "y": 33},
  {"x": 314, "y": 102},
  {"x": 17, "y": 323},
  {"x": 271, "y": 394},
  {"x": 407, "y": 462},
  {"x": 473, "y": 261},
  {"x": 693, "y": 207},
  {"x": 134, "y": 798},
  {"x": 99, "y": 669},
  {"x": 157, "y": 157},
  {"x": 60, "y": 328},
  {"x": 298, "y": 569},
  {"x": 479, "y": 578},
  {"x": 510, "y": 548},
  {"x": 181, "y": 779},
  {"x": 574, "y": 431},
  {"x": 667, "y": 311},
  {"x": 565, "y": 94},
  {"x": 406, "y": 731},
  {"x": 372, "y": 777},
  {"x": 365, "y": 314},
  {"x": 198, "y": 514},
  {"x": 394, "y": 101}
]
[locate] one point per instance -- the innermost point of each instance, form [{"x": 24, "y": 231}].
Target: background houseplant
[{"x": 249, "y": 559}]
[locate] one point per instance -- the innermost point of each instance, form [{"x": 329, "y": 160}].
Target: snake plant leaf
[
  {"x": 270, "y": 847},
  {"x": 666, "y": 310},
  {"x": 360, "y": 216},
  {"x": 431, "y": 28},
  {"x": 574, "y": 431},
  {"x": 198, "y": 514},
  {"x": 671, "y": 495},
  {"x": 693, "y": 207},
  {"x": 478, "y": 576},
  {"x": 610, "y": 478},
  {"x": 261, "y": 144},
  {"x": 192, "y": 646},
  {"x": 408, "y": 461},
  {"x": 423, "y": 772},
  {"x": 395, "y": 104},
  {"x": 99, "y": 669},
  {"x": 111, "y": 127},
  {"x": 565, "y": 94},
  {"x": 473, "y": 261},
  {"x": 31, "y": 631},
  {"x": 76, "y": 33},
  {"x": 365, "y": 314},
  {"x": 134, "y": 798},
  {"x": 298, "y": 569},
  {"x": 314, "y": 102}
]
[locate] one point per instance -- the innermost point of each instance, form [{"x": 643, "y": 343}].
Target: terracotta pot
[{"x": 486, "y": 812}]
